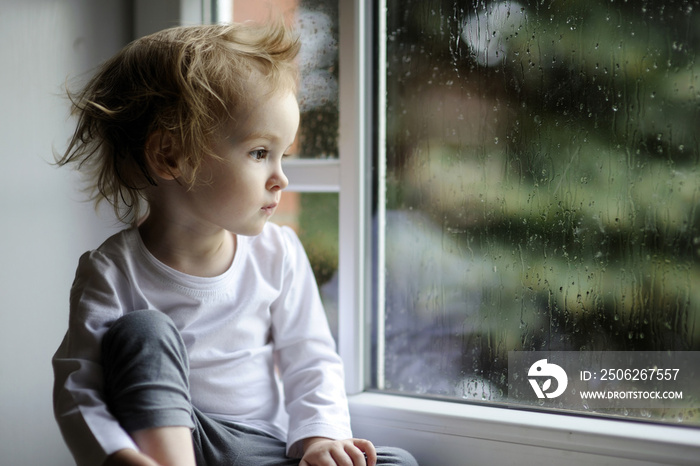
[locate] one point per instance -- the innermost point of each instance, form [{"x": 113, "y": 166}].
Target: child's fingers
[
  {"x": 355, "y": 455},
  {"x": 349, "y": 452},
  {"x": 368, "y": 449}
]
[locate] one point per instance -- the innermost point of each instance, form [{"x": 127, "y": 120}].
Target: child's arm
[
  {"x": 89, "y": 429},
  {"x": 319, "y": 450},
  {"x": 310, "y": 367}
]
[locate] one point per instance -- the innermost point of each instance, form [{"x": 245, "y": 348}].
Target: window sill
[{"x": 457, "y": 434}]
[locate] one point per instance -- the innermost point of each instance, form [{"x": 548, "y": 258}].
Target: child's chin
[{"x": 252, "y": 231}]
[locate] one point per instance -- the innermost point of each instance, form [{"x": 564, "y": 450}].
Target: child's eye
[{"x": 258, "y": 154}]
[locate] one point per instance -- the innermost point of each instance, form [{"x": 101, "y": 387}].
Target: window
[{"x": 541, "y": 191}]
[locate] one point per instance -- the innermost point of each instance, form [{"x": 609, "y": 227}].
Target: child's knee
[
  {"x": 143, "y": 339},
  {"x": 143, "y": 324}
]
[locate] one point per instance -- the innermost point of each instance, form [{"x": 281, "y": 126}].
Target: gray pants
[{"x": 146, "y": 385}]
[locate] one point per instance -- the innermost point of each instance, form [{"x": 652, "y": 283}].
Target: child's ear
[{"x": 162, "y": 155}]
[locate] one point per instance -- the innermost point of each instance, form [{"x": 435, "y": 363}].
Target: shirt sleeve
[
  {"x": 310, "y": 368},
  {"x": 88, "y": 428}
]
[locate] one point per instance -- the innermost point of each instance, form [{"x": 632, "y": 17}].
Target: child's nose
[{"x": 278, "y": 180}]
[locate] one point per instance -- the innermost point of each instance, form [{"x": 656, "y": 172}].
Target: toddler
[{"x": 196, "y": 334}]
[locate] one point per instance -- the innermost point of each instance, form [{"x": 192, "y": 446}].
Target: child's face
[{"x": 245, "y": 185}]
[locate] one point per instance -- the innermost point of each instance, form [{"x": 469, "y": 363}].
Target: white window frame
[{"x": 437, "y": 432}]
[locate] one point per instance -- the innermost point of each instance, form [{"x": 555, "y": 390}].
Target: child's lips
[{"x": 270, "y": 208}]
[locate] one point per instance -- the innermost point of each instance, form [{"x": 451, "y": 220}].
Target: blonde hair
[{"x": 186, "y": 81}]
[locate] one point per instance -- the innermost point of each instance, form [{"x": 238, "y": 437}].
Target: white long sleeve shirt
[{"x": 261, "y": 314}]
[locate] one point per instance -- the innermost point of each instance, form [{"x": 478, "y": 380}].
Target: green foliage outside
[{"x": 318, "y": 231}]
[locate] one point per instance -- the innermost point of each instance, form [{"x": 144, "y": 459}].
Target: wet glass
[{"x": 542, "y": 188}]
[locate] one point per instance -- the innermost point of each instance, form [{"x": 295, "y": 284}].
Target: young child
[{"x": 197, "y": 335}]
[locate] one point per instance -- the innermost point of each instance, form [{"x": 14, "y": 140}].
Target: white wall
[{"x": 44, "y": 226}]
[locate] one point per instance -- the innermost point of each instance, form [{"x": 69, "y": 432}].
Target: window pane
[
  {"x": 314, "y": 216},
  {"x": 316, "y": 22},
  {"x": 543, "y": 184}
]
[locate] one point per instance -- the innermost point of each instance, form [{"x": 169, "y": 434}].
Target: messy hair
[{"x": 186, "y": 81}]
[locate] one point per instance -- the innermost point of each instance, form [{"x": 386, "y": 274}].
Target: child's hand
[
  {"x": 319, "y": 451},
  {"x": 128, "y": 457}
]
